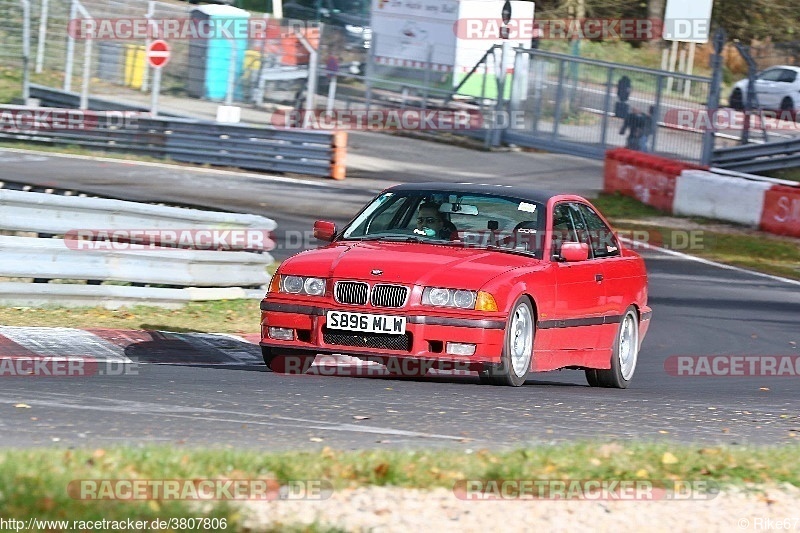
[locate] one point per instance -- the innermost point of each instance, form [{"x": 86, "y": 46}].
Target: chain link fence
[{"x": 549, "y": 100}]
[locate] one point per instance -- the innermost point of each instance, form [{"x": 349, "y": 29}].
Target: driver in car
[{"x": 432, "y": 223}]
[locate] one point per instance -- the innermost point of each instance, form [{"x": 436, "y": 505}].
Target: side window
[
  {"x": 563, "y": 227},
  {"x": 386, "y": 218},
  {"x": 602, "y": 240},
  {"x": 773, "y": 74},
  {"x": 788, "y": 76}
]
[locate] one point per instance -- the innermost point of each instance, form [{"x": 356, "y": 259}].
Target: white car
[{"x": 777, "y": 88}]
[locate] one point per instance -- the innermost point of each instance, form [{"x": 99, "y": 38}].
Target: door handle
[{"x": 598, "y": 278}]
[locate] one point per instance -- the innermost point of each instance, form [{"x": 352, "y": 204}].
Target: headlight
[
  {"x": 354, "y": 29},
  {"x": 302, "y": 285},
  {"x": 314, "y": 286},
  {"x": 440, "y": 297}
]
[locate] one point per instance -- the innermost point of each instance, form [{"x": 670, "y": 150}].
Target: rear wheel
[
  {"x": 787, "y": 104},
  {"x": 623, "y": 356},
  {"x": 286, "y": 364},
  {"x": 515, "y": 362}
]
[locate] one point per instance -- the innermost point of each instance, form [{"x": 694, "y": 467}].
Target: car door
[
  {"x": 768, "y": 88},
  {"x": 580, "y": 293},
  {"x": 621, "y": 275}
]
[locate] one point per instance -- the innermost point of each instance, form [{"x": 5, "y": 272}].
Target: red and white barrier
[
  {"x": 692, "y": 190},
  {"x": 705, "y": 194}
]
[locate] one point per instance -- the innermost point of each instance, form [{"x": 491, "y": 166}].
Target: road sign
[{"x": 158, "y": 53}]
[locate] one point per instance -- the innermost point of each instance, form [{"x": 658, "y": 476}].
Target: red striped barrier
[
  {"x": 781, "y": 214},
  {"x": 646, "y": 177}
]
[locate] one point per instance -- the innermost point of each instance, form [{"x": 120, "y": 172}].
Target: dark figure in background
[{"x": 640, "y": 126}]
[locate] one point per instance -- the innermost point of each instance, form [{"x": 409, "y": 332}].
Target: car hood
[{"x": 407, "y": 263}]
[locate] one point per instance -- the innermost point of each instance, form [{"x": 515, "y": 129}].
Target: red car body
[{"x": 579, "y": 305}]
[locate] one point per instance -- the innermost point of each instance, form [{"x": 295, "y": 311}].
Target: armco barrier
[
  {"x": 209, "y": 262},
  {"x": 702, "y": 193},
  {"x": 308, "y": 152},
  {"x": 781, "y": 213},
  {"x": 648, "y": 178}
]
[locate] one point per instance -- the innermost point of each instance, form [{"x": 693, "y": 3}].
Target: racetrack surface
[{"x": 699, "y": 309}]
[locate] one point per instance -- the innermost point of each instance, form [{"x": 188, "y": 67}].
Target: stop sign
[{"x": 158, "y": 53}]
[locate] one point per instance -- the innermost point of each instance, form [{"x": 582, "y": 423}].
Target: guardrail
[
  {"x": 127, "y": 252},
  {"x": 308, "y": 152},
  {"x": 759, "y": 157}
]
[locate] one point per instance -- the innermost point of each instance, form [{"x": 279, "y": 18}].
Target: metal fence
[{"x": 550, "y": 101}]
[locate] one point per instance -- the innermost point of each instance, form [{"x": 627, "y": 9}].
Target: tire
[
  {"x": 286, "y": 364},
  {"x": 624, "y": 354},
  {"x": 736, "y": 101},
  {"x": 787, "y": 104},
  {"x": 515, "y": 364},
  {"x": 591, "y": 377}
]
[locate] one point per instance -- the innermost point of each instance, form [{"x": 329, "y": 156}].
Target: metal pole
[
  {"x": 26, "y": 50},
  {"x": 427, "y": 77},
  {"x": 501, "y": 93},
  {"x": 559, "y": 98},
  {"x": 713, "y": 96},
  {"x": 73, "y": 11},
  {"x": 87, "y": 73},
  {"x": 606, "y": 106},
  {"x": 656, "y": 112},
  {"x": 156, "y": 90},
  {"x": 151, "y": 9},
  {"x": 687, "y": 88},
  {"x": 311, "y": 85},
  {"x": 369, "y": 71},
  {"x": 673, "y": 57},
  {"x": 231, "y": 73},
  {"x": 42, "y": 36},
  {"x": 331, "y": 93}
]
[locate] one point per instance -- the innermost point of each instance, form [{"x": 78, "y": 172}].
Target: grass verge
[
  {"x": 223, "y": 316},
  {"x": 725, "y": 243},
  {"x": 35, "y": 481}
]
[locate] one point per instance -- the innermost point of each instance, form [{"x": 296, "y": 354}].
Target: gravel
[{"x": 381, "y": 509}]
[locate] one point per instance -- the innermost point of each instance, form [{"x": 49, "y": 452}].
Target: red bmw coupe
[{"x": 502, "y": 280}]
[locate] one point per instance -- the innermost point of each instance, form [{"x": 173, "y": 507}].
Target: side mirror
[
  {"x": 324, "y": 230},
  {"x": 575, "y": 251}
]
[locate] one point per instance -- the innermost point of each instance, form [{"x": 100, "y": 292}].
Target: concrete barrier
[
  {"x": 701, "y": 193},
  {"x": 685, "y": 189}
]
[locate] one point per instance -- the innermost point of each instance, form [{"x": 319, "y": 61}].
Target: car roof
[{"x": 523, "y": 193}]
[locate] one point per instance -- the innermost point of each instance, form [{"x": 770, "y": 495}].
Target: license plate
[{"x": 366, "y": 322}]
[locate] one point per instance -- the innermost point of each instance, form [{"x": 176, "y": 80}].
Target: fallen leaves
[{"x": 668, "y": 459}]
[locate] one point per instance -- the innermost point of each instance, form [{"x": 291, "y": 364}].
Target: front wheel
[
  {"x": 286, "y": 364},
  {"x": 624, "y": 355},
  {"x": 515, "y": 362}
]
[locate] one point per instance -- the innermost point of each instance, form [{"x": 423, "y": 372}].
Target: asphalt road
[{"x": 699, "y": 309}]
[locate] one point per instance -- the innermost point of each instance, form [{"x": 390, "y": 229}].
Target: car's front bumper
[{"x": 427, "y": 335}]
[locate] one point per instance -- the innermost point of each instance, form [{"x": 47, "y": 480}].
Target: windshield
[{"x": 456, "y": 219}]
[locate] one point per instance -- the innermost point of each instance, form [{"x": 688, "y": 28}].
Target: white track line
[{"x": 688, "y": 257}]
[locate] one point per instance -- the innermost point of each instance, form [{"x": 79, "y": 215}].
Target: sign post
[{"x": 157, "y": 57}]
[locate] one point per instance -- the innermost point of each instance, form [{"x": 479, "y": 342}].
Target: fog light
[
  {"x": 282, "y": 334},
  {"x": 458, "y": 348}
]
